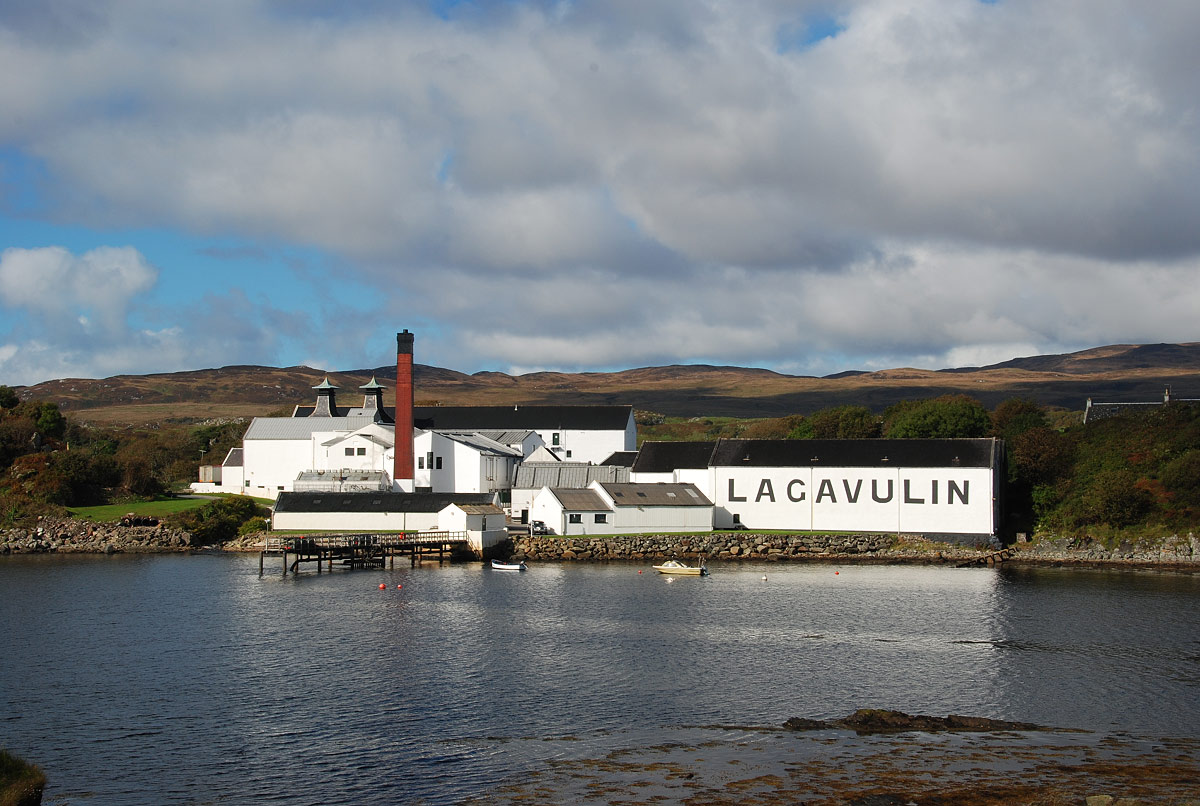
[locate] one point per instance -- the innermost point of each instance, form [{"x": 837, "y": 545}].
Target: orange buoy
[{"x": 382, "y": 586}]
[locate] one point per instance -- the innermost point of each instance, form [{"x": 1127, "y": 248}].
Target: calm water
[{"x": 172, "y": 679}]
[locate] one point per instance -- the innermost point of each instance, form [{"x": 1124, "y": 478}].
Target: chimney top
[{"x": 404, "y": 343}]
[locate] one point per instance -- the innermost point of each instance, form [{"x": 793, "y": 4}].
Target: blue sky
[{"x": 793, "y": 184}]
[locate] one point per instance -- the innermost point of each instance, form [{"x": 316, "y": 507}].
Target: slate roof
[
  {"x": 522, "y": 418},
  {"x": 503, "y": 436},
  {"x": 375, "y": 501},
  {"x": 663, "y": 457},
  {"x": 856, "y": 453},
  {"x": 481, "y": 509},
  {"x": 536, "y": 475},
  {"x": 481, "y": 443},
  {"x": 657, "y": 495},
  {"x": 620, "y": 459},
  {"x": 233, "y": 458},
  {"x": 580, "y": 500}
]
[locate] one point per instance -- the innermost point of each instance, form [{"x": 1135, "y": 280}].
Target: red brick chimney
[{"x": 402, "y": 471}]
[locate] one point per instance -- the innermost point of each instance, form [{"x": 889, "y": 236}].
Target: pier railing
[
  {"x": 293, "y": 543},
  {"x": 359, "y": 549}
]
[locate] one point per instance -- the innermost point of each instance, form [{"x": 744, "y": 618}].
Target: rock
[{"x": 874, "y": 720}]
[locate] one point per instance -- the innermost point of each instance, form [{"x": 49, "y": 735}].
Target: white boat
[
  {"x": 503, "y": 566},
  {"x": 676, "y": 567}
]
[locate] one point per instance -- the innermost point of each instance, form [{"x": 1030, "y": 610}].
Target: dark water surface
[{"x": 190, "y": 680}]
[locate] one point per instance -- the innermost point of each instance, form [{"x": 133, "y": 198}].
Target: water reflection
[{"x": 172, "y": 679}]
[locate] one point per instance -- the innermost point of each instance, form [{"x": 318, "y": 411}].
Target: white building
[
  {"x": 532, "y": 477},
  {"x": 370, "y": 512},
  {"x": 624, "y": 508},
  {"x": 936, "y": 487}
]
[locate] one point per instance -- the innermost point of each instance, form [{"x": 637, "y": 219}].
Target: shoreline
[{"x": 1176, "y": 553}]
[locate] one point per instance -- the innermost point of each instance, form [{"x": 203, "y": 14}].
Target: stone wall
[
  {"x": 76, "y": 536},
  {"x": 718, "y": 545}
]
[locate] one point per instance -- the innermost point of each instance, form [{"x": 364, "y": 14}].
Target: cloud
[{"x": 775, "y": 182}]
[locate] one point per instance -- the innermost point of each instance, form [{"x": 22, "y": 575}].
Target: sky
[{"x": 807, "y": 186}]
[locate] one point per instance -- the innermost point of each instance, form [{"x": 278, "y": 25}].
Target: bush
[
  {"x": 218, "y": 520},
  {"x": 946, "y": 417}
]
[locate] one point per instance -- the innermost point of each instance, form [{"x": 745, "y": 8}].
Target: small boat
[
  {"x": 676, "y": 567},
  {"x": 500, "y": 565}
]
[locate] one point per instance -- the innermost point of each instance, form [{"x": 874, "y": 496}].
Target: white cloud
[{"x": 941, "y": 181}]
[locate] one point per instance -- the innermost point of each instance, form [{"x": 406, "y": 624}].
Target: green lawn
[{"x": 158, "y": 508}]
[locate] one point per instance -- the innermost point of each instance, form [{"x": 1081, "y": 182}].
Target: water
[{"x": 188, "y": 680}]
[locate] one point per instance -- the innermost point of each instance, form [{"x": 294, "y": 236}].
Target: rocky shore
[
  {"x": 69, "y": 536},
  {"x": 1175, "y": 552}
]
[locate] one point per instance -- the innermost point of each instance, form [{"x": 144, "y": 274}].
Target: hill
[{"x": 1117, "y": 373}]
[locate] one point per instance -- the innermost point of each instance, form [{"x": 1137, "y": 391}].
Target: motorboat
[
  {"x": 676, "y": 567},
  {"x": 500, "y": 565}
]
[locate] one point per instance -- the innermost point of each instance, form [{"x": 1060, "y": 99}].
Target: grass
[
  {"x": 21, "y": 783},
  {"x": 157, "y": 508}
]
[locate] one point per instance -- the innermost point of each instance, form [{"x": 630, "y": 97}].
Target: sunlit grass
[{"x": 159, "y": 508}]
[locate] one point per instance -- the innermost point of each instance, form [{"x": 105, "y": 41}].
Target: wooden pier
[{"x": 359, "y": 550}]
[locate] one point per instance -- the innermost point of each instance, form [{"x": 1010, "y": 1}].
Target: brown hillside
[{"x": 1116, "y": 373}]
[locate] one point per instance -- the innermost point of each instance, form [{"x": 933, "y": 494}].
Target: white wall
[
  {"x": 856, "y": 499},
  {"x": 590, "y": 446},
  {"x": 272, "y": 465},
  {"x": 637, "y": 520}
]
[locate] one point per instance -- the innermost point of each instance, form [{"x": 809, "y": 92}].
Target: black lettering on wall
[
  {"x": 875, "y": 491},
  {"x": 908, "y": 499},
  {"x": 852, "y": 495},
  {"x": 765, "y": 490},
  {"x": 791, "y": 495},
  {"x": 734, "y": 496},
  {"x": 826, "y": 489},
  {"x": 954, "y": 490}
]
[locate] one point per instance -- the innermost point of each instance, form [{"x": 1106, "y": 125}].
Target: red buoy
[
  {"x": 398, "y": 586},
  {"x": 382, "y": 586}
]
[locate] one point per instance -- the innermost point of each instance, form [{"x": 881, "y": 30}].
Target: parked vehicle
[{"x": 539, "y": 528}]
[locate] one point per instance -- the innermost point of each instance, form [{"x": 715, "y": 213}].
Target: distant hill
[{"x": 1118, "y": 373}]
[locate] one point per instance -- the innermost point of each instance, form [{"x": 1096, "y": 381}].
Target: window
[
  {"x": 362, "y": 451},
  {"x": 601, "y": 517},
  {"x": 439, "y": 463},
  {"x": 554, "y": 439},
  {"x": 420, "y": 463},
  {"x": 575, "y": 517},
  {"x": 429, "y": 460},
  {"x": 568, "y": 454},
  {"x": 349, "y": 451}
]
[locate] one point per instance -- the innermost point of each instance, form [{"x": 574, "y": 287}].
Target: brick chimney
[{"x": 402, "y": 472}]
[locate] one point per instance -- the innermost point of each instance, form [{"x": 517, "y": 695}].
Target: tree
[
  {"x": 8, "y": 398},
  {"x": 1015, "y": 416},
  {"x": 946, "y": 417},
  {"x": 845, "y": 422}
]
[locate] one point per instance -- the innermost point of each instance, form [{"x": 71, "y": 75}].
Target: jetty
[{"x": 360, "y": 549}]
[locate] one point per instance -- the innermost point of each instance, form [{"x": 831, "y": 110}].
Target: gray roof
[
  {"x": 667, "y": 494},
  {"x": 558, "y": 418},
  {"x": 580, "y": 500},
  {"x": 301, "y": 427},
  {"x": 621, "y": 458},
  {"x": 233, "y": 458},
  {"x": 663, "y": 457},
  {"x": 375, "y": 501},
  {"x": 501, "y": 436},
  {"x": 481, "y": 443},
  {"x": 536, "y": 475}
]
